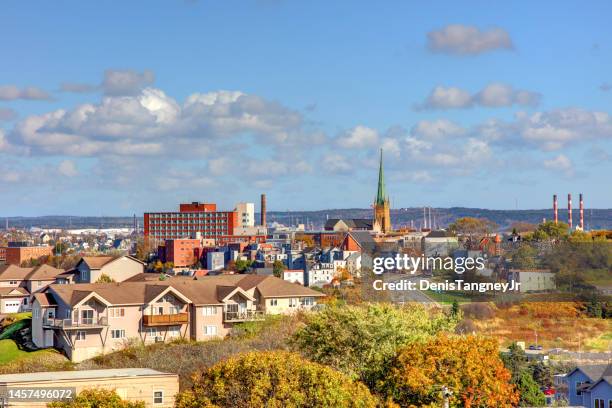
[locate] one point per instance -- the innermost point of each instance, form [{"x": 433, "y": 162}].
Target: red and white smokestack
[
  {"x": 569, "y": 210},
  {"x": 581, "y": 213},
  {"x": 555, "y": 209}
]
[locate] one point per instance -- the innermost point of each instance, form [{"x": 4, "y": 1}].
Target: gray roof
[
  {"x": 54, "y": 376},
  {"x": 594, "y": 372}
]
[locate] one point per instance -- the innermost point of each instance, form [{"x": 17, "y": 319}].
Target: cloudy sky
[{"x": 115, "y": 107}]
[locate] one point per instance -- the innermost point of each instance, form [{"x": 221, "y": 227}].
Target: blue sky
[{"x": 110, "y": 108}]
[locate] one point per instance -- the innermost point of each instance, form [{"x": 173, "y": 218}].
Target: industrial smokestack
[
  {"x": 581, "y": 213},
  {"x": 429, "y": 221},
  {"x": 555, "y": 209},
  {"x": 424, "y": 218},
  {"x": 569, "y": 210},
  {"x": 263, "y": 210}
]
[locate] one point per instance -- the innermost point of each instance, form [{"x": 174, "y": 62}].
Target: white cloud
[
  {"x": 560, "y": 163},
  {"x": 67, "y": 168},
  {"x": 492, "y": 95},
  {"x": 436, "y": 129},
  {"x": 336, "y": 164},
  {"x": 446, "y": 98},
  {"x": 152, "y": 123},
  {"x": 12, "y": 92},
  {"x": 126, "y": 82},
  {"x": 360, "y": 137},
  {"x": 467, "y": 40}
]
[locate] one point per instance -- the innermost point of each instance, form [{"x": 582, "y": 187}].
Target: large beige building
[
  {"x": 154, "y": 388},
  {"x": 86, "y": 320}
]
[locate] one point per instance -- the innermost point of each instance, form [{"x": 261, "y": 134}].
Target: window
[
  {"x": 118, "y": 333},
  {"x": 12, "y": 282},
  {"x": 210, "y": 330},
  {"x": 36, "y": 313},
  {"x": 151, "y": 332},
  {"x": 293, "y": 302},
  {"x": 80, "y": 335},
  {"x": 209, "y": 311},
  {"x": 273, "y": 302},
  {"x": 158, "y": 397},
  {"x": 174, "y": 331},
  {"x": 116, "y": 312},
  {"x": 307, "y": 301},
  {"x": 599, "y": 403},
  {"x": 578, "y": 385}
]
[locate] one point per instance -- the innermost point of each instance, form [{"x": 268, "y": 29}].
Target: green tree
[
  {"x": 515, "y": 361},
  {"x": 105, "y": 279},
  {"x": 274, "y": 379},
  {"x": 97, "y": 398},
  {"x": 550, "y": 230},
  {"x": 361, "y": 340},
  {"x": 277, "y": 268},
  {"x": 242, "y": 265},
  {"x": 530, "y": 393},
  {"x": 524, "y": 257}
]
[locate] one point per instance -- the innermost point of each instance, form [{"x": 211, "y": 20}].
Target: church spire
[{"x": 381, "y": 194}]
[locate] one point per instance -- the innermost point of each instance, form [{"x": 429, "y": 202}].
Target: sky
[{"x": 115, "y": 107}]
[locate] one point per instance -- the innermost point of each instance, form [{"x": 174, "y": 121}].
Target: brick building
[
  {"x": 191, "y": 218},
  {"x": 18, "y": 254}
]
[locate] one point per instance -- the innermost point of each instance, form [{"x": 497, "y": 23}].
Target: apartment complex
[
  {"x": 191, "y": 218},
  {"x": 154, "y": 388},
  {"x": 85, "y": 320}
]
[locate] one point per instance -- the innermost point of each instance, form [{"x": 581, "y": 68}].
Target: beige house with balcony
[{"x": 86, "y": 320}]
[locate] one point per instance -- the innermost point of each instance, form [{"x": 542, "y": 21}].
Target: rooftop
[{"x": 54, "y": 376}]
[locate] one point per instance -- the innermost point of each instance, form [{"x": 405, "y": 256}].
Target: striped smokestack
[
  {"x": 569, "y": 210},
  {"x": 581, "y": 213},
  {"x": 555, "y": 209},
  {"x": 263, "y": 210}
]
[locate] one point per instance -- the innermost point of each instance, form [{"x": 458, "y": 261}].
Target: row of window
[{"x": 200, "y": 215}]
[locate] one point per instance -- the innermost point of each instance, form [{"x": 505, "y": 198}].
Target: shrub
[
  {"x": 97, "y": 398},
  {"x": 274, "y": 379}
]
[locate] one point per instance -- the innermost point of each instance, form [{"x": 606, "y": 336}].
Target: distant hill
[{"x": 594, "y": 218}]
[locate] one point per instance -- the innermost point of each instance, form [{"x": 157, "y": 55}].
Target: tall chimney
[
  {"x": 581, "y": 213},
  {"x": 569, "y": 210},
  {"x": 424, "y": 218},
  {"x": 555, "y": 209},
  {"x": 263, "y": 210},
  {"x": 429, "y": 220}
]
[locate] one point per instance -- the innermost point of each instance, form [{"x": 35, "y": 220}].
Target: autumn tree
[
  {"x": 104, "y": 278},
  {"x": 274, "y": 379},
  {"x": 360, "y": 340},
  {"x": 551, "y": 231},
  {"x": 468, "y": 366},
  {"x": 473, "y": 229},
  {"x": 97, "y": 398}
]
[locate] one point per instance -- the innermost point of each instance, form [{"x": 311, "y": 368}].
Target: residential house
[
  {"x": 294, "y": 276},
  {"x": 590, "y": 386},
  {"x": 439, "y": 244},
  {"x": 349, "y": 224},
  {"x": 319, "y": 274},
  {"x": 18, "y": 284},
  {"x": 90, "y": 268},
  {"x": 85, "y": 320},
  {"x": 154, "y": 388}
]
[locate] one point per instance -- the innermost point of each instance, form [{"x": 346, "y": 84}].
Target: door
[
  {"x": 48, "y": 338},
  {"x": 11, "y": 306}
]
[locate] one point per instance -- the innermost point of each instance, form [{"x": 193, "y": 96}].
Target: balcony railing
[
  {"x": 243, "y": 315},
  {"x": 83, "y": 323},
  {"x": 166, "y": 319}
]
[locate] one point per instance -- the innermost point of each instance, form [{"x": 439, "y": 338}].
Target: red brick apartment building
[
  {"x": 182, "y": 252},
  {"x": 189, "y": 220},
  {"x": 194, "y": 218}
]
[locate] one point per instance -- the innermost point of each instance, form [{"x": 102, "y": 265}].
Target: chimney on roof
[
  {"x": 555, "y": 209},
  {"x": 569, "y": 210},
  {"x": 581, "y": 213},
  {"x": 263, "y": 210}
]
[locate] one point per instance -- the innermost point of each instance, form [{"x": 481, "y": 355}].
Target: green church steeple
[{"x": 381, "y": 195}]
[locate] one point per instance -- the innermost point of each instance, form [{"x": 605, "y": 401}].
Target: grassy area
[
  {"x": 9, "y": 352},
  {"x": 556, "y": 324},
  {"x": 447, "y": 297},
  {"x": 14, "y": 317}
]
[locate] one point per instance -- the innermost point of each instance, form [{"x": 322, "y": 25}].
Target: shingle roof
[
  {"x": 96, "y": 262},
  {"x": 44, "y": 272},
  {"x": 13, "y": 272},
  {"x": 45, "y": 299},
  {"x": 594, "y": 372},
  {"x": 6, "y": 291},
  {"x": 204, "y": 290}
]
